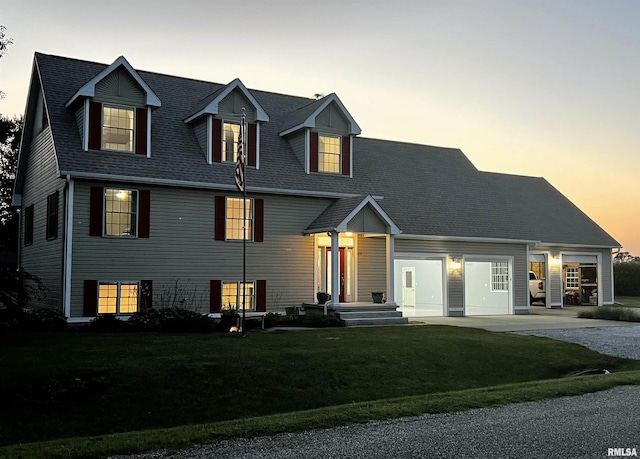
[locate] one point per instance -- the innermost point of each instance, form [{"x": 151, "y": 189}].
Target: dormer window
[
  {"x": 329, "y": 154},
  {"x": 117, "y": 128},
  {"x": 230, "y": 134}
]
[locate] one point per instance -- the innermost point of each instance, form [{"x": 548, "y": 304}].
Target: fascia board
[{"x": 203, "y": 185}]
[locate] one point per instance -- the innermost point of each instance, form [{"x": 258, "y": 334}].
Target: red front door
[{"x": 341, "y": 275}]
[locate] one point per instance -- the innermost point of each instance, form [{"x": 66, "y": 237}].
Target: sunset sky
[{"x": 541, "y": 88}]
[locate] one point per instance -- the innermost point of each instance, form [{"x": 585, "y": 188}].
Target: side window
[{"x": 52, "y": 215}]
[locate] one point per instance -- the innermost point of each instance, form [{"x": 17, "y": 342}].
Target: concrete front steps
[{"x": 370, "y": 315}]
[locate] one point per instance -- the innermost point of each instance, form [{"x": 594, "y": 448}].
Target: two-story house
[{"x": 126, "y": 186}]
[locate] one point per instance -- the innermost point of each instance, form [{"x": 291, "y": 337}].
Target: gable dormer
[
  {"x": 113, "y": 110},
  {"x": 321, "y": 134},
  {"x": 216, "y": 123}
]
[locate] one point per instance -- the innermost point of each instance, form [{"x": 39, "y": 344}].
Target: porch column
[
  {"x": 391, "y": 281},
  {"x": 335, "y": 268}
]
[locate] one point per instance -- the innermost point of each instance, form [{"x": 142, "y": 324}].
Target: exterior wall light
[{"x": 456, "y": 263}]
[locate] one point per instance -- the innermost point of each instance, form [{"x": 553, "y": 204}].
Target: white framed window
[
  {"x": 118, "y": 297},
  {"x": 329, "y": 154},
  {"x": 232, "y": 295},
  {"x": 120, "y": 212},
  {"x": 230, "y": 134},
  {"x": 499, "y": 276},
  {"x": 235, "y": 219},
  {"x": 117, "y": 128},
  {"x": 572, "y": 277}
]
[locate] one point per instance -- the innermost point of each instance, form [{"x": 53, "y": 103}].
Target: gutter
[{"x": 206, "y": 185}]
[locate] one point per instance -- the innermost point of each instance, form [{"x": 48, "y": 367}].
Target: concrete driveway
[{"x": 539, "y": 318}]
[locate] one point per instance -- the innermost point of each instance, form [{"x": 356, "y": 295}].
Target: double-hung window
[
  {"x": 120, "y": 212},
  {"x": 52, "y": 215},
  {"x": 118, "y": 297},
  {"x": 234, "y": 292},
  {"x": 329, "y": 154},
  {"x": 230, "y": 134},
  {"x": 117, "y": 128},
  {"x": 235, "y": 222},
  {"x": 499, "y": 276}
]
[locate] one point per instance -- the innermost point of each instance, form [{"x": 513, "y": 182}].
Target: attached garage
[
  {"x": 487, "y": 287},
  {"x": 420, "y": 286}
]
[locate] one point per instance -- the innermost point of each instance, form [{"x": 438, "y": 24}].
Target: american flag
[{"x": 240, "y": 160}]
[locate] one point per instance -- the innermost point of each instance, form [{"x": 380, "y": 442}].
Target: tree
[
  {"x": 5, "y": 42},
  {"x": 625, "y": 257}
]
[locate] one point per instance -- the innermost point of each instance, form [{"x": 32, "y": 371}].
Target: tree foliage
[
  {"x": 625, "y": 257},
  {"x": 5, "y": 42},
  {"x": 627, "y": 278}
]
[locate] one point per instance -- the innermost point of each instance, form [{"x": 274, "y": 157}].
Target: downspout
[{"x": 68, "y": 233}]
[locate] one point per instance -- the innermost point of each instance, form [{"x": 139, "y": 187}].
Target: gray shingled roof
[{"x": 426, "y": 190}]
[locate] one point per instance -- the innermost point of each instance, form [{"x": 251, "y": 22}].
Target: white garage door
[
  {"x": 487, "y": 287},
  {"x": 419, "y": 287}
]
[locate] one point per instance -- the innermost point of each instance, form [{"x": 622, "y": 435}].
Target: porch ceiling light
[{"x": 348, "y": 234}]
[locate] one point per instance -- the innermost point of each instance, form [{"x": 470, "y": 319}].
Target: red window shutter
[
  {"x": 95, "y": 211},
  {"x": 313, "y": 152},
  {"x": 146, "y": 294},
  {"x": 346, "y": 155},
  {"x": 216, "y": 140},
  {"x": 141, "y": 131},
  {"x": 215, "y": 296},
  {"x": 261, "y": 296},
  {"x": 252, "y": 143},
  {"x": 220, "y": 220},
  {"x": 95, "y": 126},
  {"x": 90, "y": 307},
  {"x": 258, "y": 220},
  {"x": 144, "y": 212}
]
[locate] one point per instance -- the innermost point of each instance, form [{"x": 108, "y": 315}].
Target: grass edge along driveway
[{"x": 333, "y": 416}]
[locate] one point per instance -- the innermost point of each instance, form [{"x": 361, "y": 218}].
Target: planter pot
[
  {"x": 323, "y": 297},
  {"x": 377, "y": 297}
]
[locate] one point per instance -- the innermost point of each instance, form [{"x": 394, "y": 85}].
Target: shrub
[
  {"x": 40, "y": 319},
  {"x": 171, "y": 320},
  {"x": 611, "y": 313},
  {"x": 108, "y": 323}
]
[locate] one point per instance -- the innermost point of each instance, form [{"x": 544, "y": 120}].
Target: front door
[
  {"x": 409, "y": 287},
  {"x": 341, "y": 298}
]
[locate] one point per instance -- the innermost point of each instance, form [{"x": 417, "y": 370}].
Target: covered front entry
[
  {"x": 354, "y": 246},
  {"x": 487, "y": 287},
  {"x": 420, "y": 286},
  {"x": 346, "y": 266}
]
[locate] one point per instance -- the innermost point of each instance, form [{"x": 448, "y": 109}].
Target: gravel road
[{"x": 584, "y": 426}]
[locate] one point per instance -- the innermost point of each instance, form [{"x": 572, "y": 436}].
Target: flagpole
[{"x": 244, "y": 223}]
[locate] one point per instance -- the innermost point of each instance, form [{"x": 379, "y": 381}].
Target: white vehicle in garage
[{"x": 537, "y": 289}]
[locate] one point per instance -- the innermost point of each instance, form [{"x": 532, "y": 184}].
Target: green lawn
[
  {"x": 629, "y": 301},
  {"x": 80, "y": 384}
]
